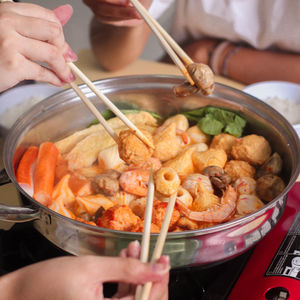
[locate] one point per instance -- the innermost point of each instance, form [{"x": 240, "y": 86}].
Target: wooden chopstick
[
  {"x": 109, "y": 104},
  {"x": 144, "y": 295},
  {"x": 166, "y": 41},
  {"x": 95, "y": 111},
  {"x": 180, "y": 52},
  {"x": 147, "y": 227}
]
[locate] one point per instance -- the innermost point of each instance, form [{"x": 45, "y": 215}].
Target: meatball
[
  {"x": 253, "y": 149},
  {"x": 131, "y": 149},
  {"x": 272, "y": 166},
  {"x": 269, "y": 186},
  {"x": 118, "y": 217},
  {"x": 211, "y": 157},
  {"x": 238, "y": 168},
  {"x": 223, "y": 141},
  {"x": 107, "y": 183}
]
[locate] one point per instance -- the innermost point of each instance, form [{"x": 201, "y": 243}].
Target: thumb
[{"x": 63, "y": 13}]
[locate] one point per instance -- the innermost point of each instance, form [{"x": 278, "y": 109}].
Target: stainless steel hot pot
[{"x": 63, "y": 113}]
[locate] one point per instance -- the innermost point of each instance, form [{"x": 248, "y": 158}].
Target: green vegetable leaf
[
  {"x": 212, "y": 120},
  {"x": 236, "y": 127},
  {"x": 210, "y": 125},
  {"x": 107, "y": 114}
]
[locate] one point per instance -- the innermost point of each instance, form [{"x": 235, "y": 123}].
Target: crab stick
[
  {"x": 45, "y": 173},
  {"x": 26, "y": 168},
  {"x": 17, "y": 157}
]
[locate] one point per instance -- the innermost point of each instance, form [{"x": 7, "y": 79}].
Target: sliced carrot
[
  {"x": 26, "y": 168},
  {"x": 45, "y": 173}
]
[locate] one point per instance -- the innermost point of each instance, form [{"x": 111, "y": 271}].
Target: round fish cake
[{"x": 252, "y": 148}]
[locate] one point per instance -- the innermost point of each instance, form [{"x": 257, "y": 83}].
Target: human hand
[
  {"x": 77, "y": 278},
  {"x": 30, "y": 34},
  {"x": 159, "y": 289},
  {"x": 116, "y": 12},
  {"x": 200, "y": 51}
]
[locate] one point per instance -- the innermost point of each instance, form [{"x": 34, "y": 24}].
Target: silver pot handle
[
  {"x": 18, "y": 214},
  {"x": 4, "y": 179}
]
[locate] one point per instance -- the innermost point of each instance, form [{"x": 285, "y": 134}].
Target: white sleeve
[{"x": 158, "y": 7}]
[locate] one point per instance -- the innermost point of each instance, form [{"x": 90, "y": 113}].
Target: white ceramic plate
[
  {"x": 17, "y": 101},
  {"x": 281, "y": 95}
]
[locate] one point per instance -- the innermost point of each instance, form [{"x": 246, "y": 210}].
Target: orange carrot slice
[
  {"x": 45, "y": 173},
  {"x": 26, "y": 168}
]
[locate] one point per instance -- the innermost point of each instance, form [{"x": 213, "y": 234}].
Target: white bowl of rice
[{"x": 282, "y": 96}]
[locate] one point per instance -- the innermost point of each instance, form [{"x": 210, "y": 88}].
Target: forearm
[
  {"x": 9, "y": 286},
  {"x": 115, "y": 46},
  {"x": 250, "y": 65}
]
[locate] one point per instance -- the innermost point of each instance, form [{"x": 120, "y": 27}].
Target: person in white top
[{"x": 246, "y": 40}]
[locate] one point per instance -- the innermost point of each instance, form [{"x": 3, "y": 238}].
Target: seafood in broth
[{"x": 88, "y": 177}]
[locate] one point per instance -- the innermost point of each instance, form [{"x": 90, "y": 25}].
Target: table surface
[{"x": 88, "y": 65}]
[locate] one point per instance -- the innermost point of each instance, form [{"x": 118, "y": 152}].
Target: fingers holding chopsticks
[
  {"x": 31, "y": 34},
  {"x": 159, "y": 289},
  {"x": 198, "y": 75}
]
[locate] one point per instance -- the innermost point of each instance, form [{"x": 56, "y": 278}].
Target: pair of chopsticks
[
  {"x": 179, "y": 57},
  {"x": 108, "y": 103},
  {"x": 142, "y": 292}
]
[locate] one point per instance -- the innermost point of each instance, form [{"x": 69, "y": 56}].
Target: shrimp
[
  {"x": 192, "y": 181},
  {"x": 245, "y": 185},
  {"x": 217, "y": 213},
  {"x": 183, "y": 137},
  {"x": 248, "y": 204},
  {"x": 135, "y": 181},
  {"x": 204, "y": 199}
]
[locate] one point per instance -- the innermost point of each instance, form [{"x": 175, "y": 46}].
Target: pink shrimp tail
[{"x": 218, "y": 213}]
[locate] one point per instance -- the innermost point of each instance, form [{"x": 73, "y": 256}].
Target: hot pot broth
[{"x": 92, "y": 184}]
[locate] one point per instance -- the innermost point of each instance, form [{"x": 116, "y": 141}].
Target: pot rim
[{"x": 171, "y": 235}]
